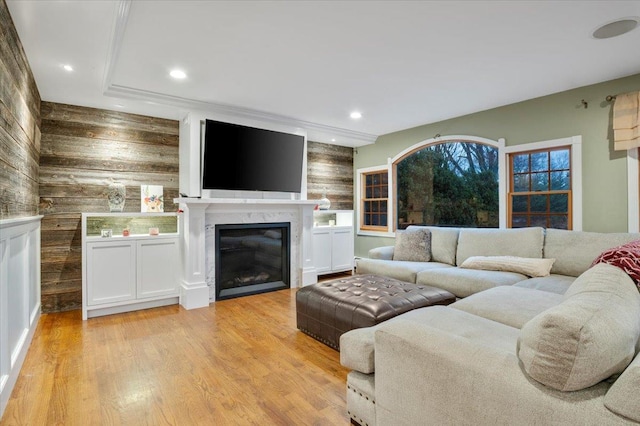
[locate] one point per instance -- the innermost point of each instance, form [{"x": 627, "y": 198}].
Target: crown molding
[{"x": 315, "y": 131}]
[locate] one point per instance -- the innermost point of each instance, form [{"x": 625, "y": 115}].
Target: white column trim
[{"x": 633, "y": 189}]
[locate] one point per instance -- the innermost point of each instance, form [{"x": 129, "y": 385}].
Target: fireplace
[{"x": 251, "y": 258}]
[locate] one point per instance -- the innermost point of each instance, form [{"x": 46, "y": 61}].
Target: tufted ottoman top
[{"x": 327, "y": 310}]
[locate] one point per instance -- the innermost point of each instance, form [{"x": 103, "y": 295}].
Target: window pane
[
  {"x": 519, "y": 204},
  {"x": 519, "y": 221},
  {"x": 384, "y": 192},
  {"x": 376, "y": 192},
  {"x": 376, "y": 179},
  {"x": 560, "y": 180},
  {"x": 369, "y": 180},
  {"x": 539, "y": 161},
  {"x": 539, "y": 181},
  {"x": 559, "y": 203},
  {"x": 385, "y": 178},
  {"x": 560, "y": 159},
  {"x": 383, "y": 205},
  {"x": 383, "y": 220},
  {"x": 521, "y": 163},
  {"x": 559, "y": 222},
  {"x": 374, "y": 220},
  {"x": 367, "y": 206},
  {"x": 520, "y": 183},
  {"x": 369, "y": 192},
  {"x": 538, "y": 220},
  {"x": 538, "y": 203},
  {"x": 452, "y": 183}
]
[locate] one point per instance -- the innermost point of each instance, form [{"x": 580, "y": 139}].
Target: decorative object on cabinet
[
  {"x": 151, "y": 199},
  {"x": 324, "y": 203},
  {"x": 137, "y": 272},
  {"x": 116, "y": 196},
  {"x": 106, "y": 233}
]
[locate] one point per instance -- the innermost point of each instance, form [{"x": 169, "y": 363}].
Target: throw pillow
[
  {"x": 625, "y": 257},
  {"x": 532, "y": 267},
  {"x": 588, "y": 337},
  {"x": 413, "y": 245}
]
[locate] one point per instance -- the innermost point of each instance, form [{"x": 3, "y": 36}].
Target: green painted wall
[{"x": 555, "y": 116}]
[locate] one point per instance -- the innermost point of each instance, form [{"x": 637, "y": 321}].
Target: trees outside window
[{"x": 454, "y": 183}]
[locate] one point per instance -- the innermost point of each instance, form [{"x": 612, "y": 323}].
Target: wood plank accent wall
[
  {"x": 19, "y": 125},
  {"x": 82, "y": 151},
  {"x": 330, "y": 168}
]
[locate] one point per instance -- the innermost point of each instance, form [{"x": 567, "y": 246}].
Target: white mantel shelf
[
  {"x": 195, "y": 291},
  {"x": 243, "y": 201}
]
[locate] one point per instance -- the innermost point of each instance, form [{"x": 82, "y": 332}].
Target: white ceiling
[{"x": 310, "y": 63}]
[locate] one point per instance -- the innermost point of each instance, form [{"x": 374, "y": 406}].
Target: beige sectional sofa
[{"x": 557, "y": 349}]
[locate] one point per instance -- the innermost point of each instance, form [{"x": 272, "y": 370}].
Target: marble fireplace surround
[{"x": 197, "y": 232}]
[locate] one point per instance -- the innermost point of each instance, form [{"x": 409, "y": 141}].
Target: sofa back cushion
[
  {"x": 588, "y": 337},
  {"x": 522, "y": 242},
  {"x": 574, "y": 251},
  {"x": 444, "y": 242}
]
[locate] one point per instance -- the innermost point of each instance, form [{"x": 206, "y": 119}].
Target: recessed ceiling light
[
  {"x": 67, "y": 68},
  {"x": 119, "y": 106},
  {"x": 616, "y": 28},
  {"x": 333, "y": 139},
  {"x": 355, "y": 115},
  {"x": 178, "y": 74}
]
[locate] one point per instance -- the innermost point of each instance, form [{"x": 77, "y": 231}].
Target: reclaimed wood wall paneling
[
  {"x": 83, "y": 150},
  {"x": 330, "y": 168},
  {"x": 19, "y": 125}
]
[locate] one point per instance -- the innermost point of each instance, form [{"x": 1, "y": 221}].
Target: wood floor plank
[{"x": 237, "y": 362}]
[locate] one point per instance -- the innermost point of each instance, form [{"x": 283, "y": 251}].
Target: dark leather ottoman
[{"x": 326, "y": 310}]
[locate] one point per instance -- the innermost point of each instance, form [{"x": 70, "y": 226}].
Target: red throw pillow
[{"x": 625, "y": 257}]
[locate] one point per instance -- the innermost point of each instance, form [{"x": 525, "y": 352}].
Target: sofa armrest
[
  {"x": 455, "y": 377},
  {"x": 384, "y": 253}
]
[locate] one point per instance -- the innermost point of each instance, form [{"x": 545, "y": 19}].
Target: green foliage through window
[{"x": 449, "y": 184}]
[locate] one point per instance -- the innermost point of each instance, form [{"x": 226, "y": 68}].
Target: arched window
[{"x": 448, "y": 183}]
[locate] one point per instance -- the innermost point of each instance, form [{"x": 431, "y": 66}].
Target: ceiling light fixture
[
  {"x": 67, "y": 68},
  {"x": 616, "y": 28},
  {"x": 355, "y": 115},
  {"x": 178, "y": 74}
]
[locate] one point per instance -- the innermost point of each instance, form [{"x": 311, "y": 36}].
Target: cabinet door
[
  {"x": 342, "y": 250},
  {"x": 322, "y": 250},
  {"x": 157, "y": 267},
  {"x": 111, "y": 272}
]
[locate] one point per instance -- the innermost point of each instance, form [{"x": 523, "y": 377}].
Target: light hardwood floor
[{"x": 238, "y": 362}]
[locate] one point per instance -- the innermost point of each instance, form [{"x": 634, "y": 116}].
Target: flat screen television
[{"x": 237, "y": 157}]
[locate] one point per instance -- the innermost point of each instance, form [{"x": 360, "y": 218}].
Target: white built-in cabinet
[
  {"x": 124, "y": 273},
  {"x": 333, "y": 241}
]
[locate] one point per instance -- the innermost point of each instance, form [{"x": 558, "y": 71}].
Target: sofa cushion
[
  {"x": 444, "y": 243},
  {"x": 508, "y": 305},
  {"x": 398, "y": 269},
  {"x": 587, "y": 338},
  {"x": 465, "y": 282},
  {"x": 413, "y": 245},
  {"x": 531, "y": 267},
  {"x": 625, "y": 257},
  {"x": 522, "y": 242},
  {"x": 554, "y": 283},
  {"x": 622, "y": 397},
  {"x": 574, "y": 251}
]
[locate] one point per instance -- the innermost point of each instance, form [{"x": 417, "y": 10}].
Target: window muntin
[
  {"x": 374, "y": 216},
  {"x": 540, "y": 188}
]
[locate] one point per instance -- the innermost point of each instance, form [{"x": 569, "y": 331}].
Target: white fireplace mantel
[{"x": 195, "y": 290}]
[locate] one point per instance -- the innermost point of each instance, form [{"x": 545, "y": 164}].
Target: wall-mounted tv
[{"x": 237, "y": 157}]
